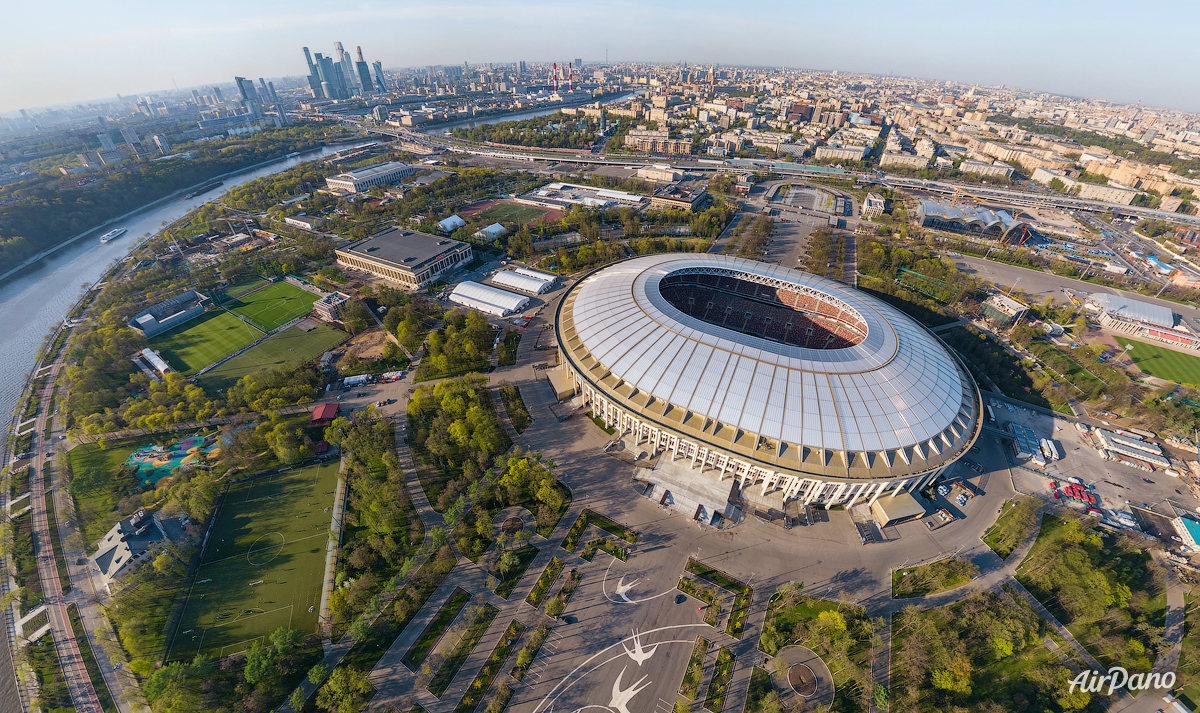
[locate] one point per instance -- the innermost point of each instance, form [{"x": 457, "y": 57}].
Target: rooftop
[
  {"x": 363, "y": 174},
  {"x": 408, "y": 249},
  {"x": 1134, "y": 309}
]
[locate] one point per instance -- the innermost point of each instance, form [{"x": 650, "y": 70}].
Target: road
[
  {"x": 1043, "y": 284},
  {"x": 78, "y": 683}
]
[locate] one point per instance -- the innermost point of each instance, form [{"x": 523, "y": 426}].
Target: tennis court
[
  {"x": 214, "y": 335},
  {"x": 274, "y": 306},
  {"x": 263, "y": 565},
  {"x": 289, "y": 347}
]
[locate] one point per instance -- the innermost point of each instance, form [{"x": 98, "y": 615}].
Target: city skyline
[{"x": 1059, "y": 50}]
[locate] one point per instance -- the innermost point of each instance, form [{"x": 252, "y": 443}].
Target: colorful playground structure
[{"x": 152, "y": 463}]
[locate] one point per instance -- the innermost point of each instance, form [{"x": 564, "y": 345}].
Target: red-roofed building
[{"x": 323, "y": 415}]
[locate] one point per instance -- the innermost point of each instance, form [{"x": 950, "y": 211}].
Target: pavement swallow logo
[
  {"x": 621, "y": 698},
  {"x": 623, "y": 588},
  {"x": 639, "y": 655}
]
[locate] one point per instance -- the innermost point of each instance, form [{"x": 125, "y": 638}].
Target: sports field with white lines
[{"x": 263, "y": 564}]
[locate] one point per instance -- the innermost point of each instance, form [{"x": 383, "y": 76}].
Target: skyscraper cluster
[{"x": 337, "y": 77}]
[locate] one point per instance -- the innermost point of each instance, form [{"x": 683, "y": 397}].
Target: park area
[
  {"x": 192, "y": 346},
  {"x": 1162, "y": 362},
  {"x": 274, "y": 306},
  {"x": 263, "y": 565},
  {"x": 292, "y": 346}
]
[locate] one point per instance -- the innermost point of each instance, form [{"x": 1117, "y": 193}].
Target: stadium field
[
  {"x": 192, "y": 346},
  {"x": 235, "y": 291},
  {"x": 273, "y": 306},
  {"x": 1162, "y": 362},
  {"x": 291, "y": 346},
  {"x": 263, "y": 565},
  {"x": 512, "y": 213}
]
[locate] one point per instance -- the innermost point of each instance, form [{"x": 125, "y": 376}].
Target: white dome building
[{"x": 806, "y": 387}]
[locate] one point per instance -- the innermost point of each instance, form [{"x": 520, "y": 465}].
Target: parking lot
[{"x": 1116, "y": 486}]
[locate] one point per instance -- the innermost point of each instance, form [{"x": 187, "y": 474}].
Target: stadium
[{"x": 811, "y": 390}]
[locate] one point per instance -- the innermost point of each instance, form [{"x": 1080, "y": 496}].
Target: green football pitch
[
  {"x": 291, "y": 346},
  {"x": 1162, "y": 362},
  {"x": 263, "y": 565},
  {"x": 190, "y": 347},
  {"x": 235, "y": 291},
  {"x": 511, "y": 213},
  {"x": 273, "y": 306}
]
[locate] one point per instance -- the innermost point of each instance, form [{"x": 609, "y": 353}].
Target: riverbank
[{"x": 181, "y": 192}]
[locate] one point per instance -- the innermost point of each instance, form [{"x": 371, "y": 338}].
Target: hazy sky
[{"x": 75, "y": 51}]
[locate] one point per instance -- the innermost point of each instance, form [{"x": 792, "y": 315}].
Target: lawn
[
  {"x": 1014, "y": 525},
  {"x": 235, "y": 291},
  {"x": 190, "y": 347},
  {"x": 1162, "y": 362},
  {"x": 274, "y": 306},
  {"x": 263, "y": 565},
  {"x": 718, "y": 686},
  {"x": 462, "y": 650},
  {"x": 436, "y": 629},
  {"x": 932, "y": 578},
  {"x": 1189, "y": 655},
  {"x": 289, "y": 347},
  {"x": 512, "y": 213},
  {"x": 98, "y": 483}
]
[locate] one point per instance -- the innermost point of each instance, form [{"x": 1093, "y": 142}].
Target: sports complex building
[
  {"x": 405, "y": 256},
  {"x": 805, "y": 387},
  {"x": 999, "y": 224},
  {"x": 1140, "y": 319}
]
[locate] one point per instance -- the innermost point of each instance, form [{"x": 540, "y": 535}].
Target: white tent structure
[
  {"x": 523, "y": 282},
  {"x": 487, "y": 299}
]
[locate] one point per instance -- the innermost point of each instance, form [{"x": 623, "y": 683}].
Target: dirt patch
[
  {"x": 477, "y": 208},
  {"x": 368, "y": 344},
  {"x": 512, "y": 526},
  {"x": 802, "y": 680}
]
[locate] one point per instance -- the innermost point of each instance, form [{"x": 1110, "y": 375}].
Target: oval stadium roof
[{"x": 898, "y": 392}]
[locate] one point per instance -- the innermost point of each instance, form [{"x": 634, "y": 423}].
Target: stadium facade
[{"x": 804, "y": 387}]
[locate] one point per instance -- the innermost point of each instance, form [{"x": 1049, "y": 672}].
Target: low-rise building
[
  {"x": 329, "y": 307},
  {"x": 488, "y": 299},
  {"x": 412, "y": 259},
  {"x": 1001, "y": 309},
  {"x": 682, "y": 195},
  {"x": 364, "y": 178},
  {"x": 873, "y": 205},
  {"x": 131, "y": 542},
  {"x": 305, "y": 222}
]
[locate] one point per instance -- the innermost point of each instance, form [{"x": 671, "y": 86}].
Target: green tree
[{"x": 344, "y": 691}]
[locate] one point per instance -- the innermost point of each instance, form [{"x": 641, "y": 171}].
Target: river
[{"x": 33, "y": 303}]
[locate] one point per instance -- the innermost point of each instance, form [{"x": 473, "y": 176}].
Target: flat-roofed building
[
  {"x": 1001, "y": 309},
  {"x": 986, "y": 169},
  {"x": 305, "y": 222},
  {"x": 841, "y": 153},
  {"x": 412, "y": 259},
  {"x": 329, "y": 307},
  {"x": 891, "y": 158},
  {"x": 873, "y": 205},
  {"x": 378, "y": 175},
  {"x": 683, "y": 195},
  {"x": 169, "y": 314}
]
